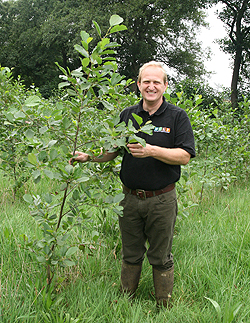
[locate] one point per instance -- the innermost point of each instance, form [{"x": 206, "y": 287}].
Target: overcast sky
[{"x": 220, "y": 62}]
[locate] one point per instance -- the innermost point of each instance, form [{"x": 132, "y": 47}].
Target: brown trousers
[{"x": 152, "y": 220}]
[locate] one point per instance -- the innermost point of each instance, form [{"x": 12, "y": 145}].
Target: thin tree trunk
[{"x": 235, "y": 77}]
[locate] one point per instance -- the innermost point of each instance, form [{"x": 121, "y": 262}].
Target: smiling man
[{"x": 148, "y": 175}]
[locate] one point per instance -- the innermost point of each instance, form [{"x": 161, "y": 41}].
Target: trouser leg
[
  {"x": 152, "y": 219},
  {"x": 132, "y": 227},
  {"x": 159, "y": 229}
]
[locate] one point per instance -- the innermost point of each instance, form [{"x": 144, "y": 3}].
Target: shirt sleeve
[{"x": 184, "y": 137}]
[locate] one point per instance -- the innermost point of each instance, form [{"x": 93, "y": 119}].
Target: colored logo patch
[{"x": 162, "y": 129}]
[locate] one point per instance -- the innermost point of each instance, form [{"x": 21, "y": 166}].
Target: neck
[{"x": 151, "y": 107}]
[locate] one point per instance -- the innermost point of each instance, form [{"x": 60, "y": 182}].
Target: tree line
[{"x": 34, "y": 34}]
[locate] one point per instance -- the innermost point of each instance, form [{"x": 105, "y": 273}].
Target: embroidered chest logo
[{"x": 162, "y": 129}]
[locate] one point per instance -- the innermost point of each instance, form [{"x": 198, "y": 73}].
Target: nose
[{"x": 151, "y": 85}]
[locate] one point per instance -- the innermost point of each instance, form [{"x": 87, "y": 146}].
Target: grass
[{"x": 212, "y": 269}]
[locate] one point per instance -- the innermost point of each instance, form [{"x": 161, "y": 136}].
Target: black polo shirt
[{"x": 172, "y": 130}]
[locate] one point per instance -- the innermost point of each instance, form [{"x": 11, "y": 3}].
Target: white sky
[{"x": 220, "y": 61}]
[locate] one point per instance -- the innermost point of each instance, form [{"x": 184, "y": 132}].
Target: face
[{"x": 152, "y": 85}]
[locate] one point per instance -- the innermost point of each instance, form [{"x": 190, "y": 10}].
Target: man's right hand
[{"x": 79, "y": 157}]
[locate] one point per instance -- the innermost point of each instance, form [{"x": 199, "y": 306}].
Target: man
[{"x": 149, "y": 175}]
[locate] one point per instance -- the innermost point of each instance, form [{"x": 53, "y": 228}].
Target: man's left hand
[
  {"x": 171, "y": 156},
  {"x": 137, "y": 150}
]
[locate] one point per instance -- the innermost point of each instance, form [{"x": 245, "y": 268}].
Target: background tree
[
  {"x": 165, "y": 31},
  {"x": 236, "y": 16},
  {"x": 35, "y": 33}
]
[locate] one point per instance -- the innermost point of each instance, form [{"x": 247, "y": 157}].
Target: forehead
[{"x": 152, "y": 73}]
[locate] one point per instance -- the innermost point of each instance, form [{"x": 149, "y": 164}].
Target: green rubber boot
[
  {"x": 130, "y": 276},
  {"x": 163, "y": 283}
]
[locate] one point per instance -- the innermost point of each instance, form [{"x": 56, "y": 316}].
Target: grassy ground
[{"x": 212, "y": 269}]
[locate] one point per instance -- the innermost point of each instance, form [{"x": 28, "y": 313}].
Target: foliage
[
  {"x": 211, "y": 98},
  {"x": 222, "y": 140},
  {"x": 159, "y": 30},
  {"x": 206, "y": 247},
  {"x": 41, "y": 135},
  {"x": 55, "y": 133},
  {"x": 13, "y": 147},
  {"x": 34, "y": 34},
  {"x": 86, "y": 117}
]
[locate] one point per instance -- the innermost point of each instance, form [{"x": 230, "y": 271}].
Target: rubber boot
[
  {"x": 130, "y": 276},
  {"x": 163, "y": 283}
]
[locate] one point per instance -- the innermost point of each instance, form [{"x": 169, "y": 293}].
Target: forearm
[
  {"x": 172, "y": 156},
  {"x": 84, "y": 157},
  {"x": 104, "y": 157}
]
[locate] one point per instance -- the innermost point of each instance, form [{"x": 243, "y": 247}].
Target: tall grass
[{"x": 212, "y": 269}]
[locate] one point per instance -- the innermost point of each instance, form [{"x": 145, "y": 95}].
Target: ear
[{"x": 139, "y": 85}]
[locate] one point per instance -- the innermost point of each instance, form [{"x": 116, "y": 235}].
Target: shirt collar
[{"x": 160, "y": 110}]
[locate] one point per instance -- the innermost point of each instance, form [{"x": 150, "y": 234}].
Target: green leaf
[
  {"x": 69, "y": 169},
  {"x": 28, "y": 198},
  {"x": 42, "y": 155},
  {"x": 71, "y": 251},
  {"x": 48, "y": 198},
  {"x": 71, "y": 92},
  {"x": 63, "y": 84},
  {"x": 63, "y": 186},
  {"x": 97, "y": 27},
  {"x": 84, "y": 36},
  {"x": 66, "y": 123},
  {"x": 49, "y": 173},
  {"x": 85, "y": 85},
  {"x": 29, "y": 133},
  {"x": 32, "y": 101},
  {"x": 61, "y": 68},
  {"x": 41, "y": 259},
  {"x": 216, "y": 306},
  {"x": 42, "y": 130},
  {"x": 118, "y": 198},
  {"x": 85, "y": 62},
  {"x": 118, "y": 210},
  {"x": 68, "y": 263},
  {"x": 32, "y": 158},
  {"x": 83, "y": 179},
  {"x": 148, "y": 129},
  {"x": 77, "y": 73},
  {"x": 134, "y": 139},
  {"x": 53, "y": 154},
  {"x": 115, "y": 20},
  {"x": 103, "y": 43},
  {"x": 138, "y": 119},
  {"x": 19, "y": 115},
  {"x": 108, "y": 105},
  {"x": 118, "y": 28},
  {"x": 121, "y": 142},
  {"x": 81, "y": 50},
  {"x": 37, "y": 179},
  {"x": 36, "y": 174},
  {"x": 95, "y": 235},
  {"x": 115, "y": 78},
  {"x": 130, "y": 126},
  {"x": 52, "y": 143},
  {"x": 6, "y": 233}
]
